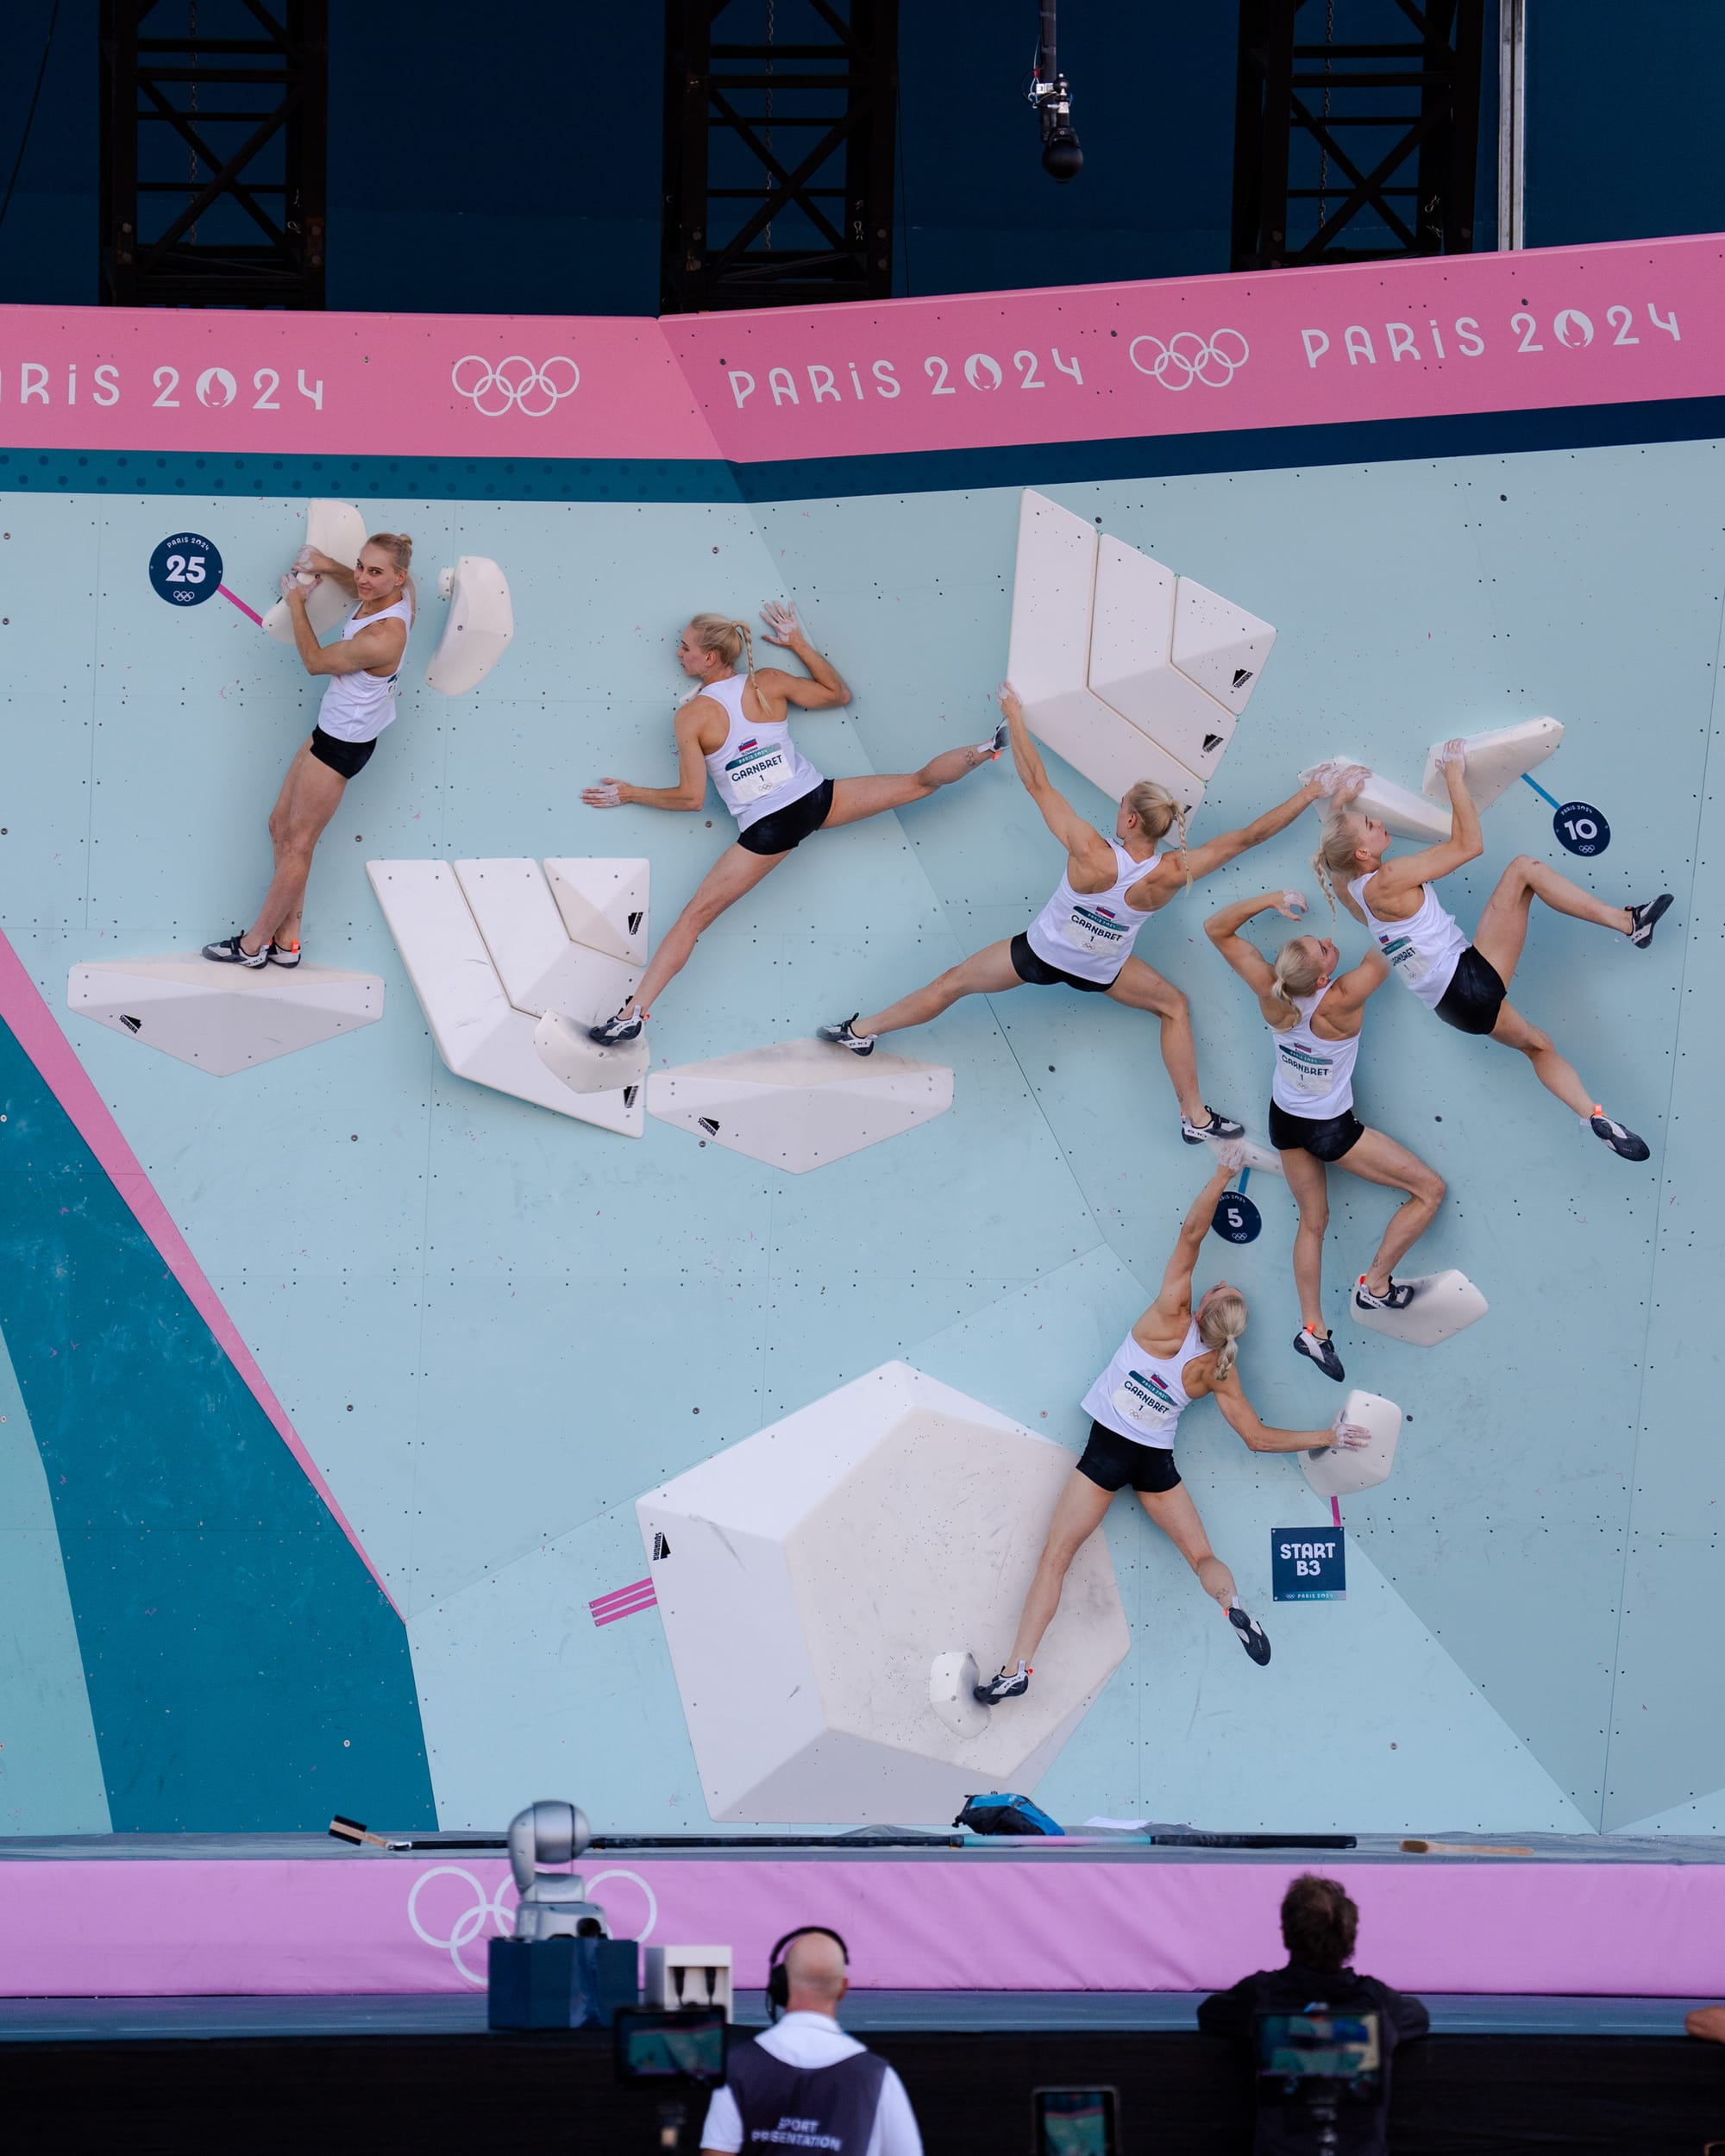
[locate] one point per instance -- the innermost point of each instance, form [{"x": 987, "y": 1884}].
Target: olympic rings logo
[
  {"x": 488, "y": 1908},
  {"x": 1189, "y": 358},
  {"x": 516, "y": 384}
]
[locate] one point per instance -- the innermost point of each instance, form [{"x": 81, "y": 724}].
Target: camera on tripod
[{"x": 1318, "y": 2063}]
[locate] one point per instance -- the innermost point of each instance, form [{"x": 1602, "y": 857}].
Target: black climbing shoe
[
  {"x": 1322, "y": 1352},
  {"x": 1251, "y": 1634},
  {"x": 1643, "y": 919},
  {"x": 1625, "y": 1144}
]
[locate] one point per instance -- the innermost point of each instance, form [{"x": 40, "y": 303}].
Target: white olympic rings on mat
[
  {"x": 488, "y": 1908},
  {"x": 1186, "y": 358},
  {"x": 516, "y": 384}
]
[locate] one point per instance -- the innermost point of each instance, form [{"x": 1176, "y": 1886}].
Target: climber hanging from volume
[
  {"x": 1468, "y": 984},
  {"x": 735, "y": 728},
  {"x": 1083, "y": 937},
  {"x": 1177, "y": 1351},
  {"x": 1315, "y": 1010}
]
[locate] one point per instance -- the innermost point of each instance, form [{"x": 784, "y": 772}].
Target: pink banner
[
  {"x": 1641, "y": 320},
  {"x": 444, "y": 386},
  {"x": 971, "y": 1922}
]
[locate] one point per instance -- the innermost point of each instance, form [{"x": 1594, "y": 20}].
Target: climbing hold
[{"x": 1444, "y": 1304}]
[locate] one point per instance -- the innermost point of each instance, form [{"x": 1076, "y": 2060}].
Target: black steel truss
[
  {"x": 778, "y": 152},
  {"x": 214, "y": 125},
  {"x": 1355, "y": 151}
]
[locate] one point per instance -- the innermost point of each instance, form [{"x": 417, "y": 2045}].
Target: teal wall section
[
  {"x": 494, "y": 1328},
  {"x": 241, "y": 1669}
]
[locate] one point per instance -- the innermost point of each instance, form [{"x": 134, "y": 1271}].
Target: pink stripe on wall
[
  {"x": 1641, "y": 320},
  {"x": 972, "y": 1922},
  {"x": 47, "y": 1047}
]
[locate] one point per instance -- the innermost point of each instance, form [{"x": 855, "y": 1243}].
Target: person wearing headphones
[{"x": 804, "y": 2083}]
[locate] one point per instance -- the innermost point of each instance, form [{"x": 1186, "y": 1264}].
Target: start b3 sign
[{"x": 1308, "y": 1564}]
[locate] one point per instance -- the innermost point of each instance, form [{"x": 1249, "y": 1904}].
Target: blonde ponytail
[
  {"x": 1337, "y": 852},
  {"x": 748, "y": 643},
  {"x": 729, "y": 639},
  {"x": 1297, "y": 970},
  {"x": 1221, "y": 1326},
  {"x": 1157, "y": 812}
]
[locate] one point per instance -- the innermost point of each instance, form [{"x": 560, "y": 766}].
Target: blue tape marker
[
  {"x": 1541, "y": 792},
  {"x": 1246, "y": 1177}
]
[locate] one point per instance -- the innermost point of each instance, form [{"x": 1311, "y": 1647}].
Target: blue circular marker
[
  {"x": 1236, "y": 1218},
  {"x": 1581, "y": 829},
  {"x": 187, "y": 569}
]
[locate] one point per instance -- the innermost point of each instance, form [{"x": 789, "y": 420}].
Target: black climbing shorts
[
  {"x": 1037, "y": 973},
  {"x": 349, "y": 758},
  {"x": 1111, "y": 1461},
  {"x": 1326, "y": 1137},
  {"x": 786, "y": 828},
  {"x": 1475, "y": 995}
]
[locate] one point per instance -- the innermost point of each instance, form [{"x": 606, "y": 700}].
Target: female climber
[
  {"x": 735, "y": 728},
  {"x": 362, "y": 667},
  {"x": 1082, "y": 938},
  {"x": 1468, "y": 984},
  {"x": 1315, "y": 1012},
  {"x": 1177, "y": 1353}
]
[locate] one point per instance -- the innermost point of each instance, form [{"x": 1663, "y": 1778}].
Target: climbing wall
[{"x": 350, "y": 1396}]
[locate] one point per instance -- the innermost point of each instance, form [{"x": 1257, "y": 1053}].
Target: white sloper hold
[
  {"x": 480, "y": 1033},
  {"x": 1444, "y": 1304},
  {"x": 1218, "y": 645},
  {"x": 1495, "y": 760},
  {"x": 799, "y": 1105},
  {"x": 1048, "y": 662},
  {"x": 603, "y": 903},
  {"x": 338, "y": 529},
  {"x": 222, "y": 1018},
  {"x": 569, "y": 1052},
  {"x": 1402, "y": 812},
  {"x": 1252, "y": 1155},
  {"x": 1131, "y": 662},
  {"x": 822, "y": 1574},
  {"x": 1333, "y": 1471},
  {"x": 481, "y": 624}
]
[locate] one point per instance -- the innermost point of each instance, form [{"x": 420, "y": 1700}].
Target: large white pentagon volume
[
  {"x": 222, "y": 1018},
  {"x": 798, "y": 1104},
  {"x": 338, "y": 529},
  {"x": 820, "y": 1578},
  {"x": 540, "y": 967}
]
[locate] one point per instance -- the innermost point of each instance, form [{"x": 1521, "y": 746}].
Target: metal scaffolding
[
  {"x": 778, "y": 147},
  {"x": 214, "y": 122},
  {"x": 1355, "y": 150}
]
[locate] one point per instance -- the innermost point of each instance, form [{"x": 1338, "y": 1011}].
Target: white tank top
[
  {"x": 1312, "y": 1078},
  {"x": 1425, "y": 951},
  {"x": 1091, "y": 933},
  {"x": 756, "y": 769},
  {"x": 358, "y": 706},
  {"x": 1141, "y": 1396}
]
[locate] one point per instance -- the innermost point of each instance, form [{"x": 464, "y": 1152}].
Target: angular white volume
[
  {"x": 222, "y": 1018},
  {"x": 481, "y": 621},
  {"x": 1404, "y": 813},
  {"x": 1053, "y": 588},
  {"x": 338, "y": 529},
  {"x": 604, "y": 904},
  {"x": 479, "y": 1033},
  {"x": 583, "y": 1064},
  {"x": 818, "y": 1572},
  {"x": 1333, "y": 1471},
  {"x": 1496, "y": 760},
  {"x": 540, "y": 968},
  {"x": 1219, "y": 645},
  {"x": 1444, "y": 1304},
  {"x": 953, "y": 1680},
  {"x": 799, "y": 1105},
  {"x": 1132, "y": 663}
]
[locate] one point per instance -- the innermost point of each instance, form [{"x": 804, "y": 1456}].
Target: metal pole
[
  {"x": 1047, "y": 65},
  {"x": 1511, "y": 122}
]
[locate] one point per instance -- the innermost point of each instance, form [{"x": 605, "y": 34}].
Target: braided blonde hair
[
  {"x": 1298, "y": 968},
  {"x": 1157, "y": 812},
  {"x": 729, "y": 639},
  {"x": 1222, "y": 1326},
  {"x": 1337, "y": 852}
]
